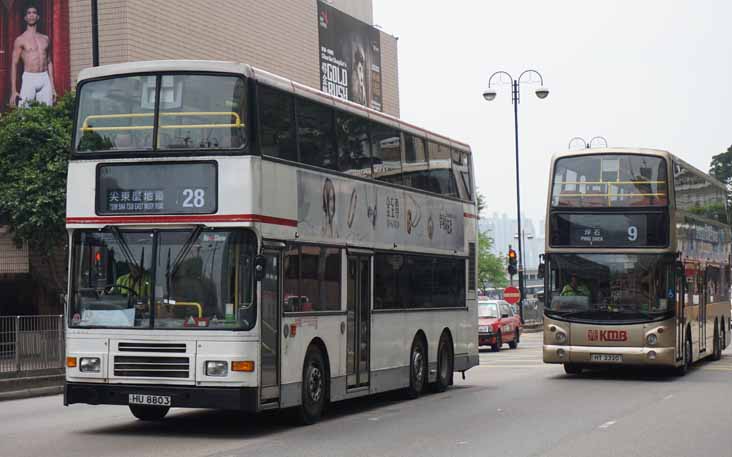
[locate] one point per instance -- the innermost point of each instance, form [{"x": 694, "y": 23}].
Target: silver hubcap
[
  {"x": 418, "y": 366},
  {"x": 315, "y": 383}
]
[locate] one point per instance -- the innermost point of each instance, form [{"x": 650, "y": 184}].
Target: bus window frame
[
  {"x": 665, "y": 161},
  {"x": 246, "y": 149}
]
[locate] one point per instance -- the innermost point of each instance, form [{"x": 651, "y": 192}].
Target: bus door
[
  {"x": 270, "y": 312},
  {"x": 359, "y": 319},
  {"x": 681, "y": 291},
  {"x": 702, "y": 290}
]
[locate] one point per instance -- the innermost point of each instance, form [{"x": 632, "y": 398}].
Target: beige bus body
[{"x": 585, "y": 344}]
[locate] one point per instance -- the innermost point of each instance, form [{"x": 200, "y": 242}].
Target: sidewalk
[{"x": 31, "y": 386}]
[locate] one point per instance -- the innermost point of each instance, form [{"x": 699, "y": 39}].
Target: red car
[{"x": 497, "y": 324}]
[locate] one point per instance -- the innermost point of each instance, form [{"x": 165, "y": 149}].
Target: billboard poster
[
  {"x": 34, "y": 52},
  {"x": 350, "y": 58},
  {"x": 333, "y": 208}
]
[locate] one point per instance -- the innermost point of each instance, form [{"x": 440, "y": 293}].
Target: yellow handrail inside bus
[
  {"x": 184, "y": 303},
  {"x": 86, "y": 128}
]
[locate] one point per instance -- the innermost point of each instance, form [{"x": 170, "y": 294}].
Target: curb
[{"x": 29, "y": 393}]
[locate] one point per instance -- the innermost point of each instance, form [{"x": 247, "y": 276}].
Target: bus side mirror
[
  {"x": 260, "y": 267},
  {"x": 542, "y": 267}
]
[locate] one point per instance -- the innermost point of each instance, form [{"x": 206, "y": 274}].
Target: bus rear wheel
[
  {"x": 444, "y": 365},
  {"x": 717, "y": 354},
  {"x": 149, "y": 413},
  {"x": 417, "y": 368}
]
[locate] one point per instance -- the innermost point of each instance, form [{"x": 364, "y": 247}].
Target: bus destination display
[
  {"x": 163, "y": 188},
  {"x": 609, "y": 230}
]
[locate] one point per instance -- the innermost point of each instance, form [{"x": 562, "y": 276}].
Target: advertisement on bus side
[
  {"x": 331, "y": 208},
  {"x": 350, "y": 57},
  {"x": 34, "y": 52}
]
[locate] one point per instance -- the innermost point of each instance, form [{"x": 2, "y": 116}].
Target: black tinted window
[
  {"x": 315, "y": 134},
  {"x": 354, "y": 147},
  {"x": 276, "y": 126},
  {"x": 415, "y": 167},
  {"x": 442, "y": 180},
  {"x": 386, "y": 144}
]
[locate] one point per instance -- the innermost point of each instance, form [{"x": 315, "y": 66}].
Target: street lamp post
[
  {"x": 585, "y": 144},
  {"x": 490, "y": 94}
]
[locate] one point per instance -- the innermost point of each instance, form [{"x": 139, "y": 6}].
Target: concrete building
[{"x": 280, "y": 36}]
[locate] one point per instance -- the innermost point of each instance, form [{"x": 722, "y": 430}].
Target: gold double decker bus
[{"x": 637, "y": 261}]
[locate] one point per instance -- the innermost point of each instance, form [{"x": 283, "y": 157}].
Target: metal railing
[
  {"x": 533, "y": 310},
  {"x": 31, "y": 345}
]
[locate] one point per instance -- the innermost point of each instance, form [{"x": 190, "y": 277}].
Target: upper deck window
[
  {"x": 194, "y": 112},
  {"x": 610, "y": 180}
]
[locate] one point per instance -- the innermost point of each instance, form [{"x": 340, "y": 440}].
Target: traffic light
[{"x": 512, "y": 261}]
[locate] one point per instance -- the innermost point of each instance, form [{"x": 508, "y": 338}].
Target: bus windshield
[
  {"x": 610, "y": 180},
  {"x": 610, "y": 287},
  {"x": 163, "y": 279},
  {"x": 193, "y": 112}
]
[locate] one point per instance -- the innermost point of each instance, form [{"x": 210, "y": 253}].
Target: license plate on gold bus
[
  {"x": 151, "y": 400},
  {"x": 609, "y": 358}
]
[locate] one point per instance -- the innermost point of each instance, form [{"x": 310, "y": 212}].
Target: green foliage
[
  {"x": 480, "y": 202},
  {"x": 721, "y": 168},
  {"x": 34, "y": 151},
  {"x": 491, "y": 270}
]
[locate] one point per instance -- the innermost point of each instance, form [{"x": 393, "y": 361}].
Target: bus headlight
[
  {"x": 217, "y": 368},
  {"x": 90, "y": 365},
  {"x": 560, "y": 337},
  {"x": 652, "y": 339}
]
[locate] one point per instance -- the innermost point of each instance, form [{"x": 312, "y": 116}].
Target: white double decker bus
[{"x": 241, "y": 241}]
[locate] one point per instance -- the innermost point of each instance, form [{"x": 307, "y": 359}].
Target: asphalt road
[{"x": 512, "y": 405}]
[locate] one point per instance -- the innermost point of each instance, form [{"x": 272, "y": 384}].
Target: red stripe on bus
[
  {"x": 470, "y": 216},
  {"x": 182, "y": 218}
]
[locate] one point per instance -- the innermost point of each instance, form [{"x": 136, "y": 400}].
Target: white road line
[
  {"x": 607, "y": 425},
  {"x": 668, "y": 397}
]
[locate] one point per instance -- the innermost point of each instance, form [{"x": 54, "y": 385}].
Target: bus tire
[
  {"x": 499, "y": 342},
  {"x": 717, "y": 354},
  {"x": 417, "y": 368},
  {"x": 445, "y": 364},
  {"x": 572, "y": 368},
  {"x": 314, "y": 384},
  {"x": 684, "y": 368},
  {"x": 148, "y": 412},
  {"x": 514, "y": 344}
]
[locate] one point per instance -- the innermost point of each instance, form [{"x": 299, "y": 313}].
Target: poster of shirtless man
[
  {"x": 32, "y": 49},
  {"x": 34, "y": 52}
]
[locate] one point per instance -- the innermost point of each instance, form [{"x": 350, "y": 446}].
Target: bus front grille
[
  {"x": 151, "y": 367},
  {"x": 152, "y": 347}
]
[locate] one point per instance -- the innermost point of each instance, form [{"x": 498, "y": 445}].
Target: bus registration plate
[
  {"x": 612, "y": 358},
  {"x": 153, "y": 400}
]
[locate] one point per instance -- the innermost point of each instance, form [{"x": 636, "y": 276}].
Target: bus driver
[{"x": 575, "y": 289}]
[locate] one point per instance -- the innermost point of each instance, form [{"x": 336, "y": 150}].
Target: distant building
[{"x": 503, "y": 230}]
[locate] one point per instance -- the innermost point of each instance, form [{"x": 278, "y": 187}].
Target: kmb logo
[{"x": 607, "y": 335}]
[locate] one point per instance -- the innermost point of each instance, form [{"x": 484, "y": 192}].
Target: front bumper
[
  {"x": 486, "y": 339},
  {"x": 231, "y": 398},
  {"x": 665, "y": 356}
]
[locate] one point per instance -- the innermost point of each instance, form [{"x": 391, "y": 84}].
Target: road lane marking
[
  {"x": 668, "y": 397},
  {"x": 607, "y": 425}
]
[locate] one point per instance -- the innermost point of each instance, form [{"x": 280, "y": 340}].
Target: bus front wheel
[
  {"x": 684, "y": 368},
  {"x": 717, "y": 354},
  {"x": 571, "y": 368},
  {"x": 149, "y": 413}
]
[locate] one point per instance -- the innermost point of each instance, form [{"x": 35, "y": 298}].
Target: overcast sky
[{"x": 650, "y": 73}]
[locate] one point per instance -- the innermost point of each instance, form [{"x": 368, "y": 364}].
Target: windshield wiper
[
  {"x": 124, "y": 247},
  {"x": 171, "y": 270}
]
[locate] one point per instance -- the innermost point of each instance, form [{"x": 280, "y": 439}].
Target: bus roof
[{"x": 265, "y": 77}]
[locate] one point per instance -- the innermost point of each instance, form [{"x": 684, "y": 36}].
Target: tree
[
  {"x": 34, "y": 152},
  {"x": 491, "y": 269},
  {"x": 721, "y": 168},
  {"x": 480, "y": 202}
]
